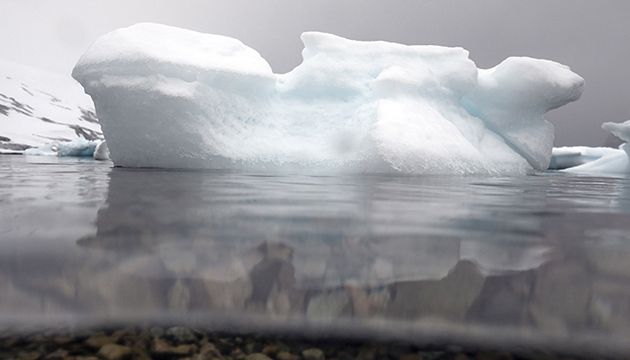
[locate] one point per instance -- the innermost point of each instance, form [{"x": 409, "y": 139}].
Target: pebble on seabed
[{"x": 190, "y": 344}]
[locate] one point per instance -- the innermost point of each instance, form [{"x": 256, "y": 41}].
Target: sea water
[{"x": 536, "y": 259}]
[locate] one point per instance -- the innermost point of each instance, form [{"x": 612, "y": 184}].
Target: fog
[{"x": 590, "y": 37}]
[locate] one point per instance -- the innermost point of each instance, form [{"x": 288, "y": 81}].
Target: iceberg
[
  {"x": 571, "y": 156},
  {"x": 600, "y": 161},
  {"x": 174, "y": 98},
  {"x": 79, "y": 147},
  {"x": 101, "y": 151}
]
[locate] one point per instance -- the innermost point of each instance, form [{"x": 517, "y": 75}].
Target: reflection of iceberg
[
  {"x": 222, "y": 242},
  {"x": 329, "y": 248},
  {"x": 403, "y": 251},
  {"x": 168, "y": 97},
  {"x": 497, "y": 258},
  {"x": 196, "y": 249}
]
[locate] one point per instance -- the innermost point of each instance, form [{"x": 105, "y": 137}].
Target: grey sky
[{"x": 592, "y": 37}]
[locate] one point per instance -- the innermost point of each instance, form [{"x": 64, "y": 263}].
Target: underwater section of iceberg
[{"x": 174, "y": 98}]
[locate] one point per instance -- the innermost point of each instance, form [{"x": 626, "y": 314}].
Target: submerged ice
[{"x": 174, "y": 98}]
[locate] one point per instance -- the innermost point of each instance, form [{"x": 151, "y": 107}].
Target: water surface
[{"x": 539, "y": 259}]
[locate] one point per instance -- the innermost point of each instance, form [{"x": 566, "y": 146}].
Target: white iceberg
[
  {"x": 174, "y": 98},
  {"x": 609, "y": 161}
]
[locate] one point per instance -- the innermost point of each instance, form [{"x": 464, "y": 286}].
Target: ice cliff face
[
  {"x": 168, "y": 97},
  {"x": 37, "y": 107}
]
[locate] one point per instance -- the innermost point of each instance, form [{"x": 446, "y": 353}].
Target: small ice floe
[
  {"x": 78, "y": 147},
  {"x": 597, "y": 160}
]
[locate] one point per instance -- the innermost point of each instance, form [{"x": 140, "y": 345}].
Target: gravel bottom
[{"x": 185, "y": 343}]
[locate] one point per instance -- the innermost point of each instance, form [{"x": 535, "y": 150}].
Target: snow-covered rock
[
  {"x": 39, "y": 107},
  {"x": 174, "y": 98}
]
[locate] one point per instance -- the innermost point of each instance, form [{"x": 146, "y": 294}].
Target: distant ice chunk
[
  {"x": 571, "y": 156},
  {"x": 611, "y": 161},
  {"x": 49, "y": 149},
  {"x": 621, "y": 131},
  {"x": 614, "y": 163},
  {"x": 79, "y": 147},
  {"x": 174, "y": 98}
]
